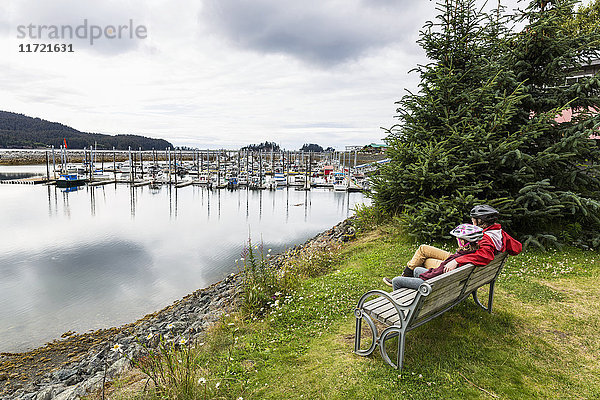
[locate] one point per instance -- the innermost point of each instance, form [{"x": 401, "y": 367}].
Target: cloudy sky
[{"x": 218, "y": 73}]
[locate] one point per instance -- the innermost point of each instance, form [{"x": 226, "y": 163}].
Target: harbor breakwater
[
  {"x": 38, "y": 156},
  {"x": 90, "y": 359}
]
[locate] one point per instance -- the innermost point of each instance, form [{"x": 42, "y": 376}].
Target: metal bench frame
[{"x": 401, "y": 309}]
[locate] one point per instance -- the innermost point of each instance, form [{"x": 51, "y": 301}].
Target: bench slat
[
  {"x": 458, "y": 274},
  {"x": 398, "y": 295},
  {"x": 485, "y": 274},
  {"x": 390, "y": 314},
  {"x": 445, "y": 294},
  {"x": 381, "y": 308},
  {"x": 478, "y": 281}
]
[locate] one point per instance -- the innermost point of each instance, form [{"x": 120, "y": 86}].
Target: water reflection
[{"x": 106, "y": 255}]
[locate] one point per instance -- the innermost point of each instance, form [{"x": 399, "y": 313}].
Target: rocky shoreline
[
  {"x": 31, "y": 157},
  {"x": 89, "y": 368}
]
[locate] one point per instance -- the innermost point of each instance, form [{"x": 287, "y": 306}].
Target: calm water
[{"x": 104, "y": 256}]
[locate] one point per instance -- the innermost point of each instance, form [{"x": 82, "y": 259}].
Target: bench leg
[
  {"x": 401, "y": 351},
  {"x": 359, "y": 317},
  {"x": 389, "y": 333},
  {"x": 490, "y": 298}
]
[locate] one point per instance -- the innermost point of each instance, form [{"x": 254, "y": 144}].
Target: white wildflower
[
  {"x": 202, "y": 381},
  {"x": 117, "y": 347}
]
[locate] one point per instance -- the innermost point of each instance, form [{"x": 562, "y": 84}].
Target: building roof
[{"x": 378, "y": 145}]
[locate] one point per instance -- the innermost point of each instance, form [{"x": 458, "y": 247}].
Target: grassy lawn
[{"x": 541, "y": 341}]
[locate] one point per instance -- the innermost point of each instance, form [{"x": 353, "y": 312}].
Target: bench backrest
[{"x": 455, "y": 285}]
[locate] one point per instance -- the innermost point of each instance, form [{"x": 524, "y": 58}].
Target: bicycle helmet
[
  {"x": 468, "y": 232},
  {"x": 485, "y": 213}
]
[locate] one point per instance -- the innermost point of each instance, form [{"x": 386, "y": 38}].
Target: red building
[{"x": 591, "y": 69}]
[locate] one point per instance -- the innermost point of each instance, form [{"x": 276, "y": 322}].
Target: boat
[
  {"x": 232, "y": 182},
  {"x": 203, "y": 179},
  {"x": 243, "y": 180},
  {"x": 280, "y": 179},
  {"x": 256, "y": 183},
  {"x": 354, "y": 187},
  {"x": 70, "y": 180},
  {"x": 340, "y": 187}
]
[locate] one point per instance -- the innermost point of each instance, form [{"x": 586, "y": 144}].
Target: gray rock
[
  {"x": 67, "y": 394},
  {"x": 117, "y": 368},
  {"x": 64, "y": 374},
  {"x": 49, "y": 392}
]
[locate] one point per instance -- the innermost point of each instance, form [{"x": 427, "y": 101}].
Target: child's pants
[{"x": 428, "y": 257}]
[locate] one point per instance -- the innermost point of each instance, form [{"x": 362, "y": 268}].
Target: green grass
[{"x": 540, "y": 342}]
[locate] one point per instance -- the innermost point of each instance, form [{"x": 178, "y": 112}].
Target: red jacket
[{"x": 494, "y": 241}]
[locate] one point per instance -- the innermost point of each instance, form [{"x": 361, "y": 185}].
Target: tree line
[{"x": 21, "y": 131}]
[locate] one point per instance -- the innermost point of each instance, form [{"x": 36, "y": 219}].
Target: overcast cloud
[
  {"x": 316, "y": 31},
  {"x": 220, "y": 73}
]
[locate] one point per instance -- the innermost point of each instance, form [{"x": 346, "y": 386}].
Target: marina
[
  {"x": 100, "y": 255},
  {"x": 218, "y": 169}
]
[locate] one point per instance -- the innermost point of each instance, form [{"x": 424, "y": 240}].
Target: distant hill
[{"x": 23, "y": 132}]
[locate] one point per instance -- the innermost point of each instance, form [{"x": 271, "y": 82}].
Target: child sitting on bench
[{"x": 467, "y": 236}]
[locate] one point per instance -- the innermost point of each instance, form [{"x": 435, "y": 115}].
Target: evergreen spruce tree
[{"x": 482, "y": 129}]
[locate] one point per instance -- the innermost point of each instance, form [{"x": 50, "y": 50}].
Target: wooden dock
[
  {"x": 142, "y": 183},
  {"x": 104, "y": 182},
  {"x": 26, "y": 181},
  {"x": 184, "y": 184}
]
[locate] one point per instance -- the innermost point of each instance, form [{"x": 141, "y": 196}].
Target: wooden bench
[{"x": 406, "y": 309}]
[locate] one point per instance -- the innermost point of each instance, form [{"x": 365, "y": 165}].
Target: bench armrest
[{"x": 393, "y": 308}]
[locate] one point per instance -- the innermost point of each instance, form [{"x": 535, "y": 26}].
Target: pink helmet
[{"x": 468, "y": 232}]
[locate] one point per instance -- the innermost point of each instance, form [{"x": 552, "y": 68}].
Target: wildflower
[
  {"x": 182, "y": 341},
  {"x": 277, "y": 293},
  {"x": 240, "y": 398},
  {"x": 170, "y": 326},
  {"x": 230, "y": 324},
  {"x": 201, "y": 344},
  {"x": 202, "y": 381},
  {"x": 150, "y": 336},
  {"x": 217, "y": 385},
  {"x": 117, "y": 347}
]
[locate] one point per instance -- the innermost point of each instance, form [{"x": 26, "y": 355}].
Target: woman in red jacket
[{"x": 494, "y": 241}]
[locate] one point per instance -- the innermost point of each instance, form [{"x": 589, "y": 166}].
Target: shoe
[
  {"x": 388, "y": 282},
  {"x": 408, "y": 272}
]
